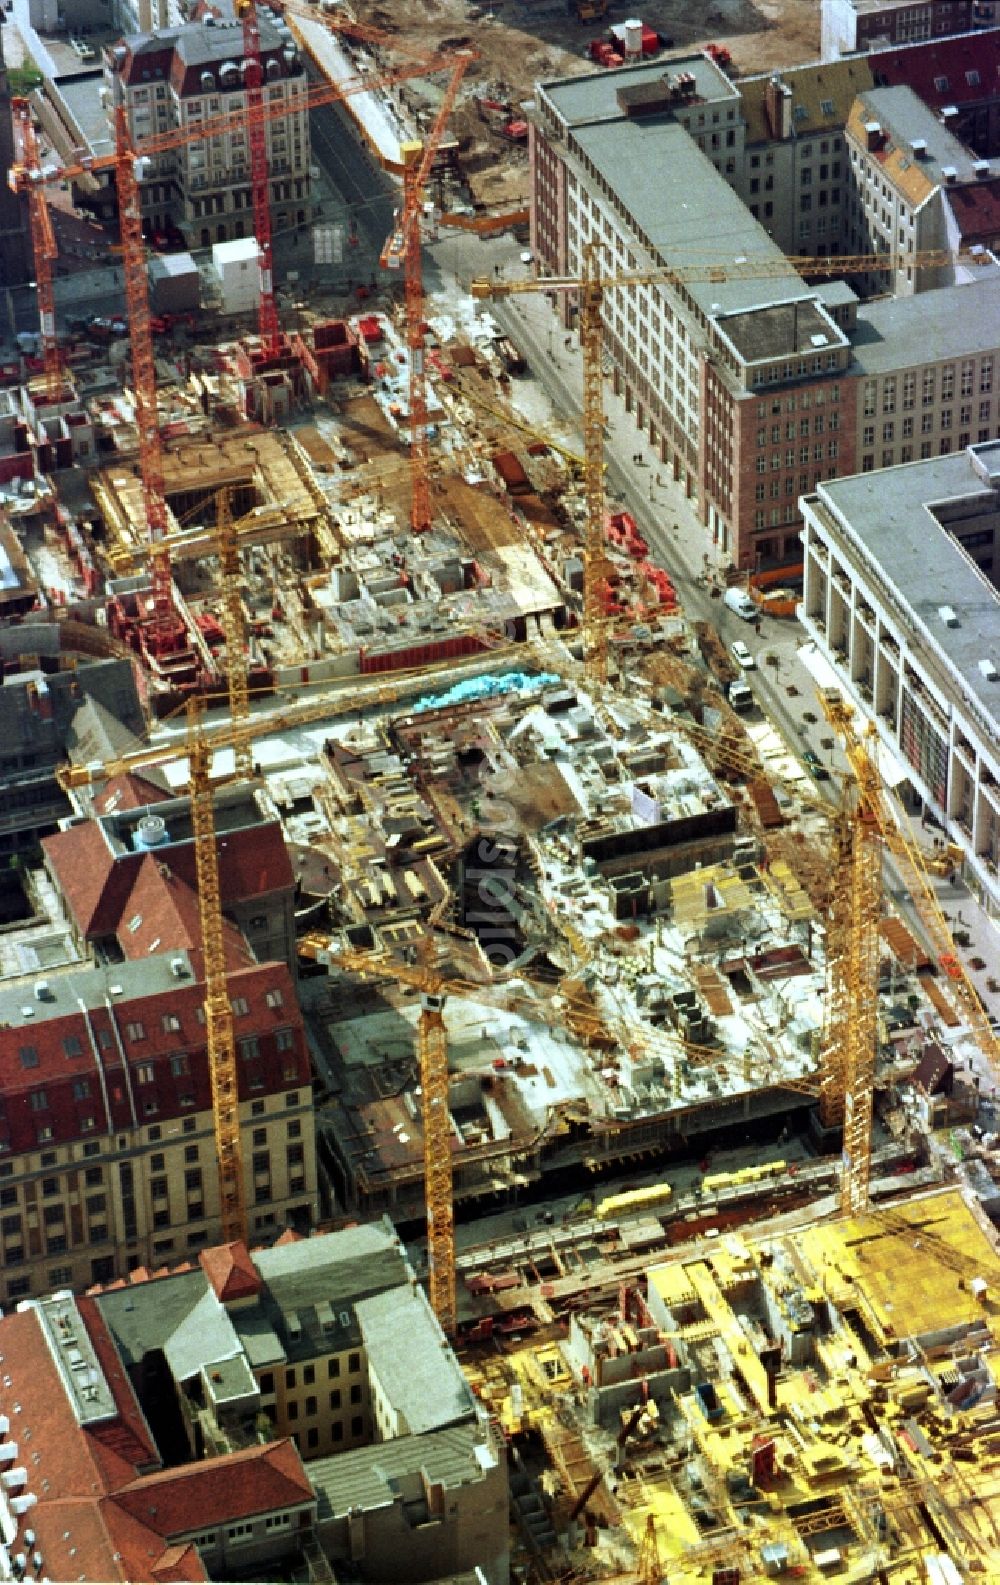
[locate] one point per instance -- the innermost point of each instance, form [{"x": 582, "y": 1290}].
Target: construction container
[
  {"x": 174, "y": 284},
  {"x": 237, "y": 266}
]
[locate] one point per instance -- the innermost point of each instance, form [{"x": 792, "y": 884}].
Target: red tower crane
[
  {"x": 253, "y": 67},
  {"x": 26, "y": 177},
  {"x": 404, "y": 248},
  {"x": 127, "y": 164},
  {"x": 167, "y": 628}
]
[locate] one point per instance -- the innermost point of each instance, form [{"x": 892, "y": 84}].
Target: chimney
[{"x": 778, "y": 106}]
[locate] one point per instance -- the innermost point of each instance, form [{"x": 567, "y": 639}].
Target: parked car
[
  {"x": 815, "y": 765},
  {"x": 742, "y": 655}
]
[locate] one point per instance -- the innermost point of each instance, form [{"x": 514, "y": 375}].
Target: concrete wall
[{"x": 389, "y": 1544}]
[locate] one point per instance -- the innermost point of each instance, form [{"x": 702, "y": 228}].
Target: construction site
[{"x": 655, "y": 1045}]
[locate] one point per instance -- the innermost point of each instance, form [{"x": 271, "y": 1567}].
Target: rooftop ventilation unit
[
  {"x": 949, "y": 112},
  {"x": 989, "y": 670},
  {"x": 919, "y": 148},
  {"x": 41, "y": 990},
  {"x": 949, "y": 173},
  {"x": 178, "y": 968},
  {"x": 948, "y": 615},
  {"x": 819, "y": 340},
  {"x": 982, "y": 169}
]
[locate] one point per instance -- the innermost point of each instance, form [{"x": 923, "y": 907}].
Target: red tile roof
[
  {"x": 166, "y": 908},
  {"x": 976, "y": 207},
  {"x": 96, "y": 883},
  {"x": 97, "y": 1515},
  {"x": 94, "y": 887},
  {"x": 130, "y": 791},
  {"x": 947, "y": 61},
  {"x": 180, "y": 1502},
  {"x": 231, "y": 1272}
]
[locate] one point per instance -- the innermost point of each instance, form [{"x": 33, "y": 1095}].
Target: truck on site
[
  {"x": 740, "y": 696},
  {"x": 739, "y": 601}
]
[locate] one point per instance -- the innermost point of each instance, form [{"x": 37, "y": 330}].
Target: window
[
  {"x": 144, "y": 1073},
  {"x": 292, "y": 1098},
  {"x": 290, "y": 1377},
  {"x": 8, "y": 1196},
  {"x": 357, "y": 1425},
  {"x": 239, "y": 1532},
  {"x": 81, "y": 1089},
  {"x": 93, "y": 1175},
  {"x": 39, "y": 1101},
  {"x": 274, "y": 999},
  {"x": 986, "y": 376},
  {"x": 240, "y": 1006},
  {"x": 279, "y": 1521},
  {"x": 355, "y": 1394},
  {"x": 11, "y": 1227},
  {"x": 353, "y": 1363},
  {"x": 135, "y": 1031},
  {"x": 868, "y": 435},
  {"x": 908, "y": 427},
  {"x": 311, "y": 1408},
  {"x": 158, "y": 1188},
  {"x": 249, "y": 1048},
  {"x": 29, "y": 1056},
  {"x": 889, "y": 396},
  {"x": 179, "y": 1065},
  {"x": 335, "y": 1398},
  {"x": 888, "y": 430},
  {"x": 72, "y": 1046},
  {"x": 171, "y": 1024},
  {"x": 947, "y": 382},
  {"x": 292, "y": 1410},
  {"x": 284, "y": 1039},
  {"x": 333, "y": 1368},
  {"x": 94, "y": 1204},
  {"x": 192, "y": 1179},
  {"x": 293, "y": 1128},
  {"x": 50, "y": 1186},
  {"x": 946, "y": 418},
  {"x": 157, "y": 1162},
  {"x": 337, "y": 1428}
]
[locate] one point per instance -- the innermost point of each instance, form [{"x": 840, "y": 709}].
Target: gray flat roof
[
  {"x": 83, "y": 101},
  {"x": 368, "y": 1477},
  {"x": 904, "y": 116},
  {"x": 688, "y": 211},
  {"x": 951, "y": 322},
  {"x": 781, "y": 330},
  {"x": 90, "y": 984},
  {"x": 893, "y": 516},
  {"x": 593, "y": 96},
  {"x": 407, "y": 1353}
]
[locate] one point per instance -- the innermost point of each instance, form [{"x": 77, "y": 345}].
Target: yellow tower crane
[
  {"x": 199, "y": 747},
  {"x": 589, "y": 288}
]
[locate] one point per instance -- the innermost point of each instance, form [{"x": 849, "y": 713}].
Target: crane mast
[
  {"x": 144, "y": 377},
  {"x": 25, "y": 177},
  {"x": 403, "y": 247},
  {"x": 270, "y": 329},
  {"x": 220, "y": 1039}
]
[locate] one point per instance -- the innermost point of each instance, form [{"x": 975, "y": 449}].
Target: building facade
[
  {"x": 847, "y": 26},
  {"x": 754, "y": 384},
  {"x": 108, "y": 1160},
  {"x": 182, "y": 78},
  {"x": 900, "y": 595}
]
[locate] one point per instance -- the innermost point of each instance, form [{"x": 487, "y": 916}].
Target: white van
[{"x": 739, "y": 601}]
